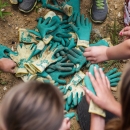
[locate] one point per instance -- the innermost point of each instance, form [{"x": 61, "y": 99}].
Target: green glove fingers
[
  {"x": 118, "y": 74},
  {"x": 67, "y": 107},
  {"x": 57, "y": 74},
  {"x": 76, "y": 57},
  {"x": 72, "y": 44},
  {"x": 70, "y": 99},
  {"x": 114, "y": 77},
  {"x": 87, "y": 80},
  {"x": 5, "y": 52},
  {"x": 69, "y": 115},
  {"x": 100, "y": 43},
  {"x": 111, "y": 72},
  {"x": 46, "y": 26},
  {"x": 46, "y": 59},
  {"x": 37, "y": 49}
]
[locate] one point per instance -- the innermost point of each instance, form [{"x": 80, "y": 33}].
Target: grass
[
  {"x": 113, "y": 31},
  {"x": 3, "y": 13}
]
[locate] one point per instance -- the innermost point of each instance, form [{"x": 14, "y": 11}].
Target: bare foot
[{"x": 96, "y": 54}]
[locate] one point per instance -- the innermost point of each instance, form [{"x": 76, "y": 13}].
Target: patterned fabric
[{"x": 127, "y": 13}]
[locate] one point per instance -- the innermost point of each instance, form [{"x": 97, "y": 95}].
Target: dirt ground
[{"x": 9, "y": 34}]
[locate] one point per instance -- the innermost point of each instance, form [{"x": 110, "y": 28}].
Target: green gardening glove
[
  {"x": 114, "y": 77},
  {"x": 24, "y": 52},
  {"x": 56, "y": 75},
  {"x": 76, "y": 9},
  {"x": 60, "y": 66},
  {"x": 47, "y": 58},
  {"x": 82, "y": 29},
  {"x": 45, "y": 26},
  {"x": 73, "y": 92},
  {"x": 64, "y": 8},
  {"x": 5, "y": 52},
  {"x": 93, "y": 108},
  {"x": 76, "y": 57},
  {"x": 60, "y": 33}
]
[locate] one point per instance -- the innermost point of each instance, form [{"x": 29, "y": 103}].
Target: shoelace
[{"x": 100, "y": 4}]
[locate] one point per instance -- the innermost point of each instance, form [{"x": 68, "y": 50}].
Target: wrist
[
  {"x": 116, "y": 108},
  {"x": 108, "y": 53}
]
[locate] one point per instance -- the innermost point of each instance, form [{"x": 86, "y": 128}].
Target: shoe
[
  {"x": 27, "y": 5},
  {"x": 98, "y": 11}
]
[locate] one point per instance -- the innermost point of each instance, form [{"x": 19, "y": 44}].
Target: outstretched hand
[
  {"x": 7, "y": 65},
  {"x": 96, "y": 54},
  {"x": 103, "y": 97}
]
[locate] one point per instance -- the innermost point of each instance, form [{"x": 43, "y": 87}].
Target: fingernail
[
  {"x": 100, "y": 69},
  {"x": 89, "y": 73},
  {"x": 95, "y": 67},
  {"x": 87, "y": 91}
]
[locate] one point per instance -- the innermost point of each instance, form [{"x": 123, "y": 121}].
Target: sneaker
[
  {"x": 98, "y": 11},
  {"x": 27, "y": 5}
]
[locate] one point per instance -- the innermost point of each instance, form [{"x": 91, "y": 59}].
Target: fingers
[
  {"x": 94, "y": 82},
  {"x": 125, "y": 31},
  {"x": 97, "y": 76},
  {"x": 108, "y": 83},
  {"x": 103, "y": 77},
  {"x": 92, "y": 96}
]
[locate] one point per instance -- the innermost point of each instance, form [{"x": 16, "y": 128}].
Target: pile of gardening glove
[{"x": 54, "y": 50}]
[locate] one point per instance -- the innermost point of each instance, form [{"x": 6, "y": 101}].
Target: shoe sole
[
  {"x": 99, "y": 22},
  {"x": 30, "y": 9},
  {"x": 14, "y": 2}
]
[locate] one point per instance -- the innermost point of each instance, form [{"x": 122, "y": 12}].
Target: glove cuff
[
  {"x": 68, "y": 10},
  {"x": 83, "y": 43},
  {"x": 77, "y": 78},
  {"x": 29, "y": 77},
  {"x": 21, "y": 72},
  {"x": 49, "y": 14},
  {"x": 40, "y": 65},
  {"x": 30, "y": 68},
  {"x": 93, "y": 108}
]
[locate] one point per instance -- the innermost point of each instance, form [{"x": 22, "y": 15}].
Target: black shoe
[
  {"x": 27, "y": 5},
  {"x": 84, "y": 115},
  {"x": 98, "y": 11}
]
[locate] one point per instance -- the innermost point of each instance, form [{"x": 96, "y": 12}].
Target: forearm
[
  {"x": 120, "y": 51},
  {"x": 97, "y": 122},
  {"x": 116, "y": 108}
]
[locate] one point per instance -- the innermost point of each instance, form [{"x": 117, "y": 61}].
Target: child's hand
[
  {"x": 7, "y": 65},
  {"x": 125, "y": 32},
  {"x": 65, "y": 124},
  {"x": 103, "y": 97},
  {"x": 96, "y": 54}
]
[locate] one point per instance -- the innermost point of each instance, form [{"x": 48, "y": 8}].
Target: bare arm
[
  {"x": 120, "y": 51},
  {"x": 97, "y": 122},
  {"x": 98, "y": 54}
]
